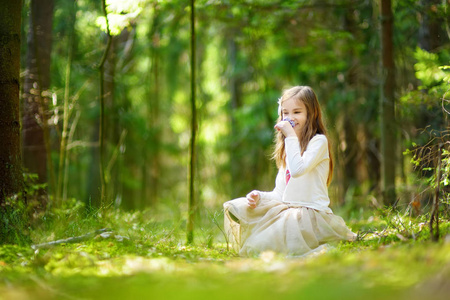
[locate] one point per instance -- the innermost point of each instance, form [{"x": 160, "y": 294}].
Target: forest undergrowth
[{"x": 143, "y": 255}]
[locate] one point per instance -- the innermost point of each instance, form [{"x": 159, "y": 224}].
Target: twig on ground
[{"x": 76, "y": 239}]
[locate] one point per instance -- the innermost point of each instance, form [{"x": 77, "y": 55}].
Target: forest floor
[{"x": 145, "y": 258}]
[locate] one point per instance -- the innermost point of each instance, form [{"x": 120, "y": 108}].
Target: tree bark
[
  {"x": 192, "y": 202},
  {"x": 102, "y": 129},
  {"x": 12, "y": 222},
  {"x": 387, "y": 106},
  {"x": 111, "y": 130},
  {"x": 36, "y": 152},
  {"x": 11, "y": 178}
]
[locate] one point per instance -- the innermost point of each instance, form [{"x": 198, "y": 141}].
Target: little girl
[{"x": 294, "y": 218}]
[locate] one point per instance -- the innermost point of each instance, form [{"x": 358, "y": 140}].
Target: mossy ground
[{"x": 146, "y": 258}]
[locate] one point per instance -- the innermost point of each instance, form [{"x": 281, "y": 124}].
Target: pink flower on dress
[{"x": 288, "y": 176}]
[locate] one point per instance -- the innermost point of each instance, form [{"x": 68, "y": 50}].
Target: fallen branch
[{"x": 76, "y": 239}]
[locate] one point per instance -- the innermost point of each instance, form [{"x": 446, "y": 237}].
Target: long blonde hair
[{"x": 314, "y": 125}]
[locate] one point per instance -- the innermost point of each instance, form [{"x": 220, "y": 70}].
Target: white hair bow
[{"x": 279, "y": 106}]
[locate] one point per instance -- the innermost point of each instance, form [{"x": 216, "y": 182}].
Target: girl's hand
[
  {"x": 285, "y": 128},
  {"x": 253, "y": 199}
]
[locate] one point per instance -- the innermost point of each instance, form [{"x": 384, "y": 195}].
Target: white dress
[{"x": 294, "y": 218}]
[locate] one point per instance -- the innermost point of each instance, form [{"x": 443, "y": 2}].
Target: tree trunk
[
  {"x": 430, "y": 32},
  {"x": 93, "y": 190},
  {"x": 111, "y": 131},
  {"x": 11, "y": 178},
  {"x": 349, "y": 127},
  {"x": 387, "y": 107},
  {"x": 192, "y": 203},
  {"x": 102, "y": 125},
  {"x": 63, "y": 153},
  {"x": 37, "y": 81}
]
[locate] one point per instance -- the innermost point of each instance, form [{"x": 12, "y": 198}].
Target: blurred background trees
[
  {"x": 247, "y": 52},
  {"x": 36, "y": 96}
]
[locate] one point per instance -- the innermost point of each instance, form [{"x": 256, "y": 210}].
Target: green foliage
[
  {"x": 428, "y": 70},
  {"x": 434, "y": 83},
  {"x": 120, "y": 14},
  {"x": 13, "y": 229},
  {"x": 16, "y": 212},
  {"x": 433, "y": 93}
]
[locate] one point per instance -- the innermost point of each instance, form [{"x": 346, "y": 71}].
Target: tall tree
[
  {"x": 387, "y": 106},
  {"x": 102, "y": 128},
  {"x": 36, "y": 152},
  {"x": 110, "y": 122},
  {"x": 11, "y": 179},
  {"x": 63, "y": 155},
  {"x": 192, "y": 201}
]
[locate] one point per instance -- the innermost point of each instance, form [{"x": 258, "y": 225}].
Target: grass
[{"x": 146, "y": 257}]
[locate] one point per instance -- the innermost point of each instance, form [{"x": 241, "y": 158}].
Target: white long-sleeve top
[{"x": 309, "y": 173}]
